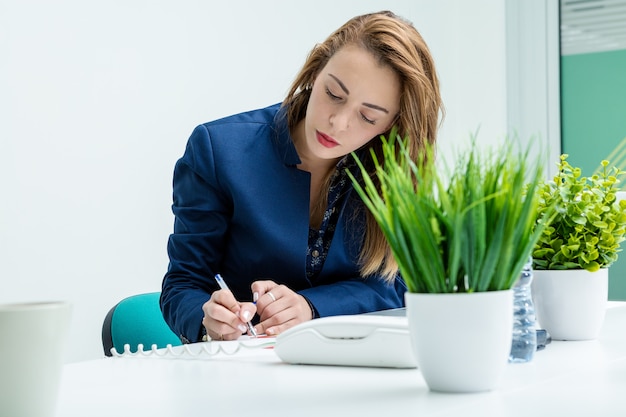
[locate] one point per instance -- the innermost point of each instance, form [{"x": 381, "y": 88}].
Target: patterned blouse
[{"x": 320, "y": 240}]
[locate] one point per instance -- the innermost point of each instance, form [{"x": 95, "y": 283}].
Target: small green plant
[
  {"x": 588, "y": 225},
  {"x": 469, "y": 230}
]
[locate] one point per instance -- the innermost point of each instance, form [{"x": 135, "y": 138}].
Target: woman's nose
[{"x": 340, "y": 120}]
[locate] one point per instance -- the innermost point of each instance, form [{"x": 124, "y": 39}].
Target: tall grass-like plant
[{"x": 467, "y": 229}]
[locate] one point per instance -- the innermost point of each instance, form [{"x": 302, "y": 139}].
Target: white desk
[{"x": 566, "y": 379}]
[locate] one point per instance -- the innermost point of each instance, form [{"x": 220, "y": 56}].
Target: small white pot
[
  {"x": 461, "y": 341},
  {"x": 571, "y": 304}
]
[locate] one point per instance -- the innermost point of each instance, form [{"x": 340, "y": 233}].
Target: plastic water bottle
[{"x": 524, "y": 322}]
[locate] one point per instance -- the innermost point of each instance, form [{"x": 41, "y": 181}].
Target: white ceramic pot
[
  {"x": 461, "y": 341},
  {"x": 571, "y": 304}
]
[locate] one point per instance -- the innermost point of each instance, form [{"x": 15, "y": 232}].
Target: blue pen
[{"x": 222, "y": 284}]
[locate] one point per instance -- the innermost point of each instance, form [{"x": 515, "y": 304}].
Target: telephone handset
[{"x": 349, "y": 340}]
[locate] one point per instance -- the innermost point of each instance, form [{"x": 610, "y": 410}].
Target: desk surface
[{"x": 566, "y": 379}]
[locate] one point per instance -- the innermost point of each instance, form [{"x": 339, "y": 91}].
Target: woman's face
[{"x": 353, "y": 100}]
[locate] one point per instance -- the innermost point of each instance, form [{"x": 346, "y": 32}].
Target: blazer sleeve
[
  {"x": 356, "y": 296},
  {"x": 201, "y": 218}
]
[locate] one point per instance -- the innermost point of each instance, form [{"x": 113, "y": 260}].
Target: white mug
[{"x": 32, "y": 347}]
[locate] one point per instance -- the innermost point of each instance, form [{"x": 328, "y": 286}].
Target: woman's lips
[{"x": 326, "y": 141}]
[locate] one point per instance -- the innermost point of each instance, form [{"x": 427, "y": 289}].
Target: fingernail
[
  {"x": 246, "y": 315},
  {"x": 255, "y": 297},
  {"x": 242, "y": 328},
  {"x": 269, "y": 331}
]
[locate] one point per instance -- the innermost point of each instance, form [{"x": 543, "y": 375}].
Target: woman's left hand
[{"x": 278, "y": 307}]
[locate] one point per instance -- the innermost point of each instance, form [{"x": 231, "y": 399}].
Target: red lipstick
[{"x": 325, "y": 140}]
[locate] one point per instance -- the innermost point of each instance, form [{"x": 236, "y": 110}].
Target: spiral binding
[{"x": 187, "y": 350}]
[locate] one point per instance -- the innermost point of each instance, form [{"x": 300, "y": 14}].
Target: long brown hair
[{"x": 395, "y": 43}]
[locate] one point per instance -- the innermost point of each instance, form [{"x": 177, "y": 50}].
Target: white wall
[{"x": 97, "y": 100}]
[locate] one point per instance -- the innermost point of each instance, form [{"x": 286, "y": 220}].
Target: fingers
[
  {"x": 224, "y": 317},
  {"x": 280, "y": 309},
  {"x": 246, "y": 312},
  {"x": 226, "y": 299},
  {"x": 275, "y": 329},
  {"x": 260, "y": 288},
  {"x": 268, "y": 293}
]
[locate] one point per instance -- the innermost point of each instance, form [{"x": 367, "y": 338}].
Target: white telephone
[{"x": 350, "y": 340}]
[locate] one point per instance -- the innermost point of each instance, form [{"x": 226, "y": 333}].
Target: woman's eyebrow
[
  {"x": 345, "y": 90},
  {"x": 375, "y": 107},
  {"x": 341, "y": 84}
]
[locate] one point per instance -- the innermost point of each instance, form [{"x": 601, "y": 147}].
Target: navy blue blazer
[{"x": 241, "y": 209}]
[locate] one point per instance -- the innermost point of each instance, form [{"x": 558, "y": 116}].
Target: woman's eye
[
  {"x": 331, "y": 95},
  {"x": 372, "y": 122}
]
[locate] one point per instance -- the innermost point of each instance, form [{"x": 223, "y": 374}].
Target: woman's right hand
[{"x": 225, "y": 318}]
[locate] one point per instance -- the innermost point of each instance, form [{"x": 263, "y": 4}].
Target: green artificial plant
[
  {"x": 468, "y": 229},
  {"x": 588, "y": 225}
]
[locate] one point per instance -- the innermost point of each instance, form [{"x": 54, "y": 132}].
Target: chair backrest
[{"x": 134, "y": 320}]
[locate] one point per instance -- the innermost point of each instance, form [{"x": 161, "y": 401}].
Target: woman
[{"x": 262, "y": 197}]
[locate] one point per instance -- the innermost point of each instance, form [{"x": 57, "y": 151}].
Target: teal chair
[{"x": 134, "y": 320}]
